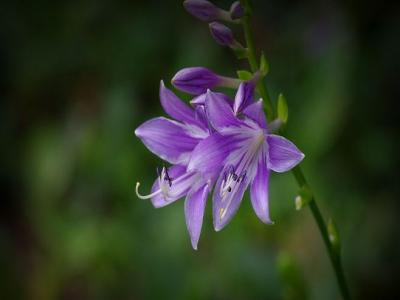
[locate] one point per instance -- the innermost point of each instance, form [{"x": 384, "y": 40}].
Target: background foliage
[{"x": 77, "y": 77}]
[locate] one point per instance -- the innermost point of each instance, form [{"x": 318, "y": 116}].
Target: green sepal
[
  {"x": 303, "y": 197},
  {"x": 282, "y": 109},
  {"x": 264, "y": 65},
  {"x": 334, "y": 236},
  {"x": 244, "y": 75}
]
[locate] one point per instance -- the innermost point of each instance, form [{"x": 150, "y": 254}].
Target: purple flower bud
[
  {"x": 195, "y": 80},
  {"x": 222, "y": 34},
  {"x": 236, "y": 11},
  {"x": 203, "y": 10}
]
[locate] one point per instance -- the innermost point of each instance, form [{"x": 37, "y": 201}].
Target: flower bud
[
  {"x": 303, "y": 198},
  {"x": 195, "y": 80},
  {"x": 236, "y": 11},
  {"x": 203, "y": 10},
  {"x": 333, "y": 235},
  {"x": 222, "y": 34}
]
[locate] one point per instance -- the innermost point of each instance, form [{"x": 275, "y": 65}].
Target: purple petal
[
  {"x": 167, "y": 139},
  {"x": 194, "y": 211},
  {"x": 259, "y": 190},
  {"x": 225, "y": 208},
  {"x": 283, "y": 155},
  {"x": 255, "y": 112},
  {"x": 181, "y": 183},
  {"x": 201, "y": 118},
  {"x": 201, "y": 99},
  {"x": 219, "y": 112},
  {"x": 244, "y": 96},
  {"x": 195, "y": 80},
  {"x": 174, "y": 107},
  {"x": 210, "y": 153}
]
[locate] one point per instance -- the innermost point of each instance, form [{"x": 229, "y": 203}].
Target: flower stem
[
  {"x": 297, "y": 172},
  {"x": 333, "y": 255},
  {"x": 251, "y": 56}
]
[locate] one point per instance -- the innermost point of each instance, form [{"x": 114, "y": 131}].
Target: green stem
[
  {"x": 297, "y": 172},
  {"x": 251, "y": 56},
  {"x": 334, "y": 256}
]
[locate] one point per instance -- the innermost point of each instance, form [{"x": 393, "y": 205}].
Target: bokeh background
[{"x": 77, "y": 77}]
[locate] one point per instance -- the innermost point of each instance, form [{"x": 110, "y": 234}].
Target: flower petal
[
  {"x": 201, "y": 99},
  {"x": 194, "y": 211},
  {"x": 209, "y": 155},
  {"x": 167, "y": 139},
  {"x": 255, "y": 112},
  {"x": 201, "y": 118},
  {"x": 181, "y": 183},
  {"x": 219, "y": 112},
  {"x": 175, "y": 107},
  {"x": 244, "y": 96},
  {"x": 225, "y": 208},
  {"x": 259, "y": 190},
  {"x": 283, "y": 155}
]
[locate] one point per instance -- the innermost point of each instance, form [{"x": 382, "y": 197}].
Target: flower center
[{"x": 230, "y": 179}]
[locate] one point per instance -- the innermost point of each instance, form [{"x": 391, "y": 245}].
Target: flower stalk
[{"x": 333, "y": 251}]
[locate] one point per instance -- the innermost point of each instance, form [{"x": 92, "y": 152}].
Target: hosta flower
[
  {"x": 174, "y": 141},
  {"x": 248, "y": 153}
]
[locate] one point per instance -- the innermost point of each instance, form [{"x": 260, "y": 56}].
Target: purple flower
[
  {"x": 174, "y": 141},
  {"x": 248, "y": 153},
  {"x": 222, "y": 34},
  {"x": 236, "y": 11},
  {"x": 196, "y": 80},
  {"x": 218, "y": 142},
  {"x": 204, "y": 10}
]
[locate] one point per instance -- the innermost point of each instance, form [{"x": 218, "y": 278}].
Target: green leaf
[
  {"x": 264, "y": 65},
  {"x": 282, "y": 109},
  {"x": 244, "y": 75},
  {"x": 334, "y": 236},
  {"x": 303, "y": 198}
]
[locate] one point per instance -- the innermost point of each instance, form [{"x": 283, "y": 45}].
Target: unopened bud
[
  {"x": 222, "y": 34},
  {"x": 334, "y": 236},
  {"x": 236, "y": 11},
  {"x": 303, "y": 198},
  {"x": 204, "y": 10},
  {"x": 196, "y": 80}
]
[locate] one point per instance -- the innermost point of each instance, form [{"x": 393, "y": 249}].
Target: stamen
[
  {"x": 167, "y": 178},
  {"x": 222, "y": 213},
  {"x": 230, "y": 180},
  {"x": 146, "y": 196}
]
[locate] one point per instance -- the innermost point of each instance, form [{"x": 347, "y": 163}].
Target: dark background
[{"x": 77, "y": 77}]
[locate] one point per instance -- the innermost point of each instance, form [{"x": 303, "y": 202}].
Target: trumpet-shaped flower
[{"x": 247, "y": 151}]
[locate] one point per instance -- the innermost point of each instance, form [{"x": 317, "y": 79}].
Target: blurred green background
[{"x": 77, "y": 77}]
